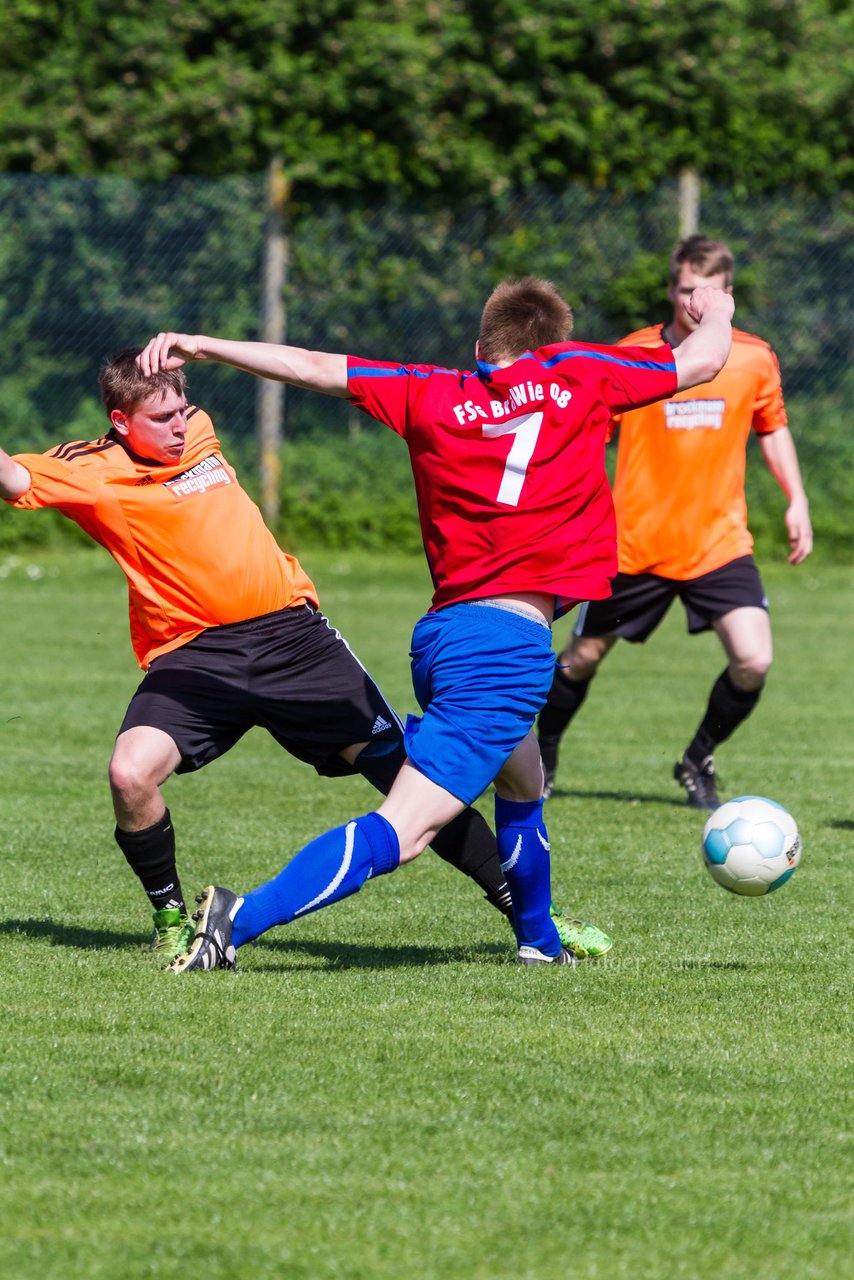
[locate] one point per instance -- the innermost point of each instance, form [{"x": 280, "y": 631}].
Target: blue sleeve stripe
[
  {"x": 669, "y": 367},
  {"x": 366, "y": 371},
  {"x": 665, "y": 367}
]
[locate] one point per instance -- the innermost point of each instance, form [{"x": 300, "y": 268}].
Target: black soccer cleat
[
  {"x": 532, "y": 955},
  {"x": 211, "y": 947},
  {"x": 699, "y": 781},
  {"x": 548, "y": 753}
]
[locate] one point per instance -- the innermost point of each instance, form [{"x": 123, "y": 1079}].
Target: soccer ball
[{"x": 751, "y": 845}]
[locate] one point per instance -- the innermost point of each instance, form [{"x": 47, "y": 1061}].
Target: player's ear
[
  {"x": 476, "y": 349},
  {"x": 119, "y": 421}
]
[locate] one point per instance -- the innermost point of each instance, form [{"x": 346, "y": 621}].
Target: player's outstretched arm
[
  {"x": 781, "y": 458},
  {"x": 704, "y": 352},
  {"x": 14, "y": 479},
  {"x": 314, "y": 370}
]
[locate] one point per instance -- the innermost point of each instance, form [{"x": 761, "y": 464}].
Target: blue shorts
[{"x": 481, "y": 675}]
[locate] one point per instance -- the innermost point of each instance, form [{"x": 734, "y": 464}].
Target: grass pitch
[{"x": 380, "y": 1091}]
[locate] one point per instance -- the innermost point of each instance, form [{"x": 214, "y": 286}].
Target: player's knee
[
  {"x": 128, "y": 778},
  {"x": 749, "y": 672},
  {"x": 580, "y": 659}
]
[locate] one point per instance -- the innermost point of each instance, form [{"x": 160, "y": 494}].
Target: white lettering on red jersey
[{"x": 509, "y": 463}]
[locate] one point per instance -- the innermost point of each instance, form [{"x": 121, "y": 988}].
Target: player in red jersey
[
  {"x": 682, "y": 526},
  {"x": 227, "y": 629},
  {"x": 518, "y": 524}
]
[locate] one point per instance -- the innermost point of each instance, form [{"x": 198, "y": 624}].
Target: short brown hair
[
  {"x": 705, "y": 257},
  {"x": 522, "y": 315},
  {"x": 124, "y": 386}
]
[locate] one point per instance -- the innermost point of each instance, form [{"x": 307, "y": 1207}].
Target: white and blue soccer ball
[{"x": 751, "y": 845}]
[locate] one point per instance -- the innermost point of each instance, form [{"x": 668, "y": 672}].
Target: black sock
[
  {"x": 151, "y": 856},
  {"x": 467, "y": 843},
  {"x": 728, "y": 706},
  {"x": 564, "y": 700}
]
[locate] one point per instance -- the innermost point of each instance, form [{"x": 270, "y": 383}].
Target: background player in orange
[
  {"x": 227, "y": 628},
  {"x": 682, "y": 526}
]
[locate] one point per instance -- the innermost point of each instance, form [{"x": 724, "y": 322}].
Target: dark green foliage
[
  {"x": 89, "y": 266},
  {"x": 355, "y": 492},
  {"x": 450, "y": 97}
]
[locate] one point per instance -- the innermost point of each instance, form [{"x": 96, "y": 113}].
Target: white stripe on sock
[
  {"x": 349, "y": 841},
  {"x": 514, "y": 857}
]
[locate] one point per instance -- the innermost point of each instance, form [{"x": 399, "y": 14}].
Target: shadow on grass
[
  {"x": 71, "y": 935},
  {"x": 842, "y": 824},
  {"x": 348, "y": 955},
  {"x": 624, "y": 797}
]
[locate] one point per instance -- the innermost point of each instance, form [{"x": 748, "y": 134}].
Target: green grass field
[{"x": 381, "y": 1091}]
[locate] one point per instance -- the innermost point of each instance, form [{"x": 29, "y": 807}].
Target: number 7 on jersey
[{"x": 525, "y": 430}]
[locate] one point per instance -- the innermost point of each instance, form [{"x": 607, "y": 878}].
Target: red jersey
[
  {"x": 191, "y": 543},
  {"x": 509, "y": 463}
]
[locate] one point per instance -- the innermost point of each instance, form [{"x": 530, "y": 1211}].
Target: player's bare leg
[
  {"x": 576, "y": 667},
  {"x": 745, "y": 634},
  {"x": 142, "y": 760},
  {"x": 417, "y": 808}
]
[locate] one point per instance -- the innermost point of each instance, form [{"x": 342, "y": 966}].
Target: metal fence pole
[{"x": 271, "y": 395}]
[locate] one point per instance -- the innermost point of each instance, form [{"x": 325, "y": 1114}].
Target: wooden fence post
[
  {"x": 270, "y": 403},
  {"x": 689, "y": 202}
]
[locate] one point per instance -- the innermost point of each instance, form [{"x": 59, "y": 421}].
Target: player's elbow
[
  {"x": 698, "y": 367},
  {"x": 14, "y": 481}
]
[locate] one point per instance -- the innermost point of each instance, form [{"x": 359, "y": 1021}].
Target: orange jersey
[
  {"x": 191, "y": 543},
  {"x": 679, "y": 487}
]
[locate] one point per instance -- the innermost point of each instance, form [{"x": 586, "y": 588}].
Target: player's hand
[
  {"x": 705, "y": 300},
  {"x": 800, "y": 530},
  {"x": 167, "y": 351}
]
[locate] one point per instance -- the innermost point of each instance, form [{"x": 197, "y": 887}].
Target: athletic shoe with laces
[
  {"x": 173, "y": 933},
  {"x": 532, "y": 955},
  {"x": 211, "y": 947},
  {"x": 548, "y": 752},
  {"x": 580, "y": 937},
  {"x": 699, "y": 780}
]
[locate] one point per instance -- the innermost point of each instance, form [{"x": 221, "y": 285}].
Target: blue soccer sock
[
  {"x": 328, "y": 869},
  {"x": 523, "y": 847}
]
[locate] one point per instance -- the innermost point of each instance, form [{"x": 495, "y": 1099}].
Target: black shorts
[
  {"x": 640, "y": 600},
  {"x": 288, "y": 672}
]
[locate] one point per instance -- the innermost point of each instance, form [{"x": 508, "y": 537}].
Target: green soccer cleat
[
  {"x": 584, "y": 939},
  {"x": 173, "y": 933}
]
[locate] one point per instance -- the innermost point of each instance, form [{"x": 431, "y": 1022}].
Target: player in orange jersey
[
  {"x": 226, "y": 627},
  {"x": 682, "y": 527}
]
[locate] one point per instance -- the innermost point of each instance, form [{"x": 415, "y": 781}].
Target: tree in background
[{"x": 444, "y": 96}]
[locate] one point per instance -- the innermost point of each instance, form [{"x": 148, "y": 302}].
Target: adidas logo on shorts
[{"x": 379, "y": 725}]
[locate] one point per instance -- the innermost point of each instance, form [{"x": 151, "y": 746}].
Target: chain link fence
[{"x": 91, "y": 265}]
